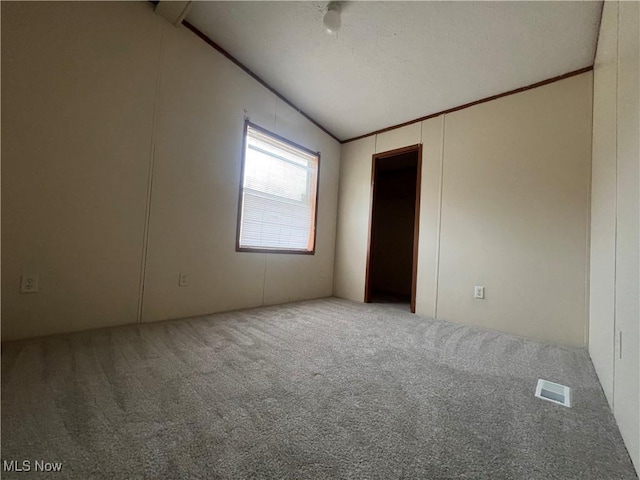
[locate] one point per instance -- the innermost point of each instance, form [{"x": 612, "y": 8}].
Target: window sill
[{"x": 275, "y": 250}]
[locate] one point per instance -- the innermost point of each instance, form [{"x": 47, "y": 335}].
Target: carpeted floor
[{"x": 318, "y": 389}]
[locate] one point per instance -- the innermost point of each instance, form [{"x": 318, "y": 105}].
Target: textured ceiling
[{"x": 395, "y": 61}]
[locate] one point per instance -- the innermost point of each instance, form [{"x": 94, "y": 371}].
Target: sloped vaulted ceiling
[{"x": 395, "y": 61}]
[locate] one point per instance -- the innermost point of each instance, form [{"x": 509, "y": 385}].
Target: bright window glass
[{"x": 278, "y": 198}]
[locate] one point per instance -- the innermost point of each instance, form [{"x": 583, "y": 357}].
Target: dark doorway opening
[{"x": 393, "y": 227}]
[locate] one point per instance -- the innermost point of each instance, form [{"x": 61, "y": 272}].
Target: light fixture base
[{"x": 332, "y": 20}]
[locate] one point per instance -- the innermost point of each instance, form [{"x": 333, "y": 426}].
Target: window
[{"x": 278, "y": 195}]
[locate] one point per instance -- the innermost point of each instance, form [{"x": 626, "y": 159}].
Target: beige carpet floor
[{"x": 318, "y": 389}]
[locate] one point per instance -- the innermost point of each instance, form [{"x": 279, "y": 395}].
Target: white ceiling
[{"x": 395, "y": 61}]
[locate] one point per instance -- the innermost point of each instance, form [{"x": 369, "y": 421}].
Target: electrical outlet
[
  {"x": 322, "y": 274},
  {"x": 182, "y": 280},
  {"x": 479, "y": 292},
  {"x": 29, "y": 284}
]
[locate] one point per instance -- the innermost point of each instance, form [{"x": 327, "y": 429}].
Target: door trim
[{"x": 416, "y": 223}]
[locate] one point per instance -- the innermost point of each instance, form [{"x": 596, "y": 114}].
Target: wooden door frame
[{"x": 416, "y": 222}]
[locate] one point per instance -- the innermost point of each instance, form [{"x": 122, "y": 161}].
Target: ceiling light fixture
[{"x": 332, "y": 20}]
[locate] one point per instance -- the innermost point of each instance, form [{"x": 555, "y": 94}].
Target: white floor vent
[{"x": 554, "y": 392}]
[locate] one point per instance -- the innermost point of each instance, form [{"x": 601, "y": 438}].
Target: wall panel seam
[
  {"x": 147, "y": 217},
  {"x": 587, "y": 279},
  {"x": 264, "y": 277},
  {"x": 615, "y": 223},
  {"x": 439, "y": 227}
]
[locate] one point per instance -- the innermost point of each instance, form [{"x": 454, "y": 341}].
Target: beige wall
[
  {"x": 515, "y": 202},
  {"x": 200, "y": 115},
  {"x": 603, "y": 201},
  {"x": 430, "y": 216},
  {"x": 77, "y": 104},
  {"x": 99, "y": 99},
  {"x": 353, "y": 218},
  {"x": 614, "y": 343},
  {"x": 505, "y": 197},
  {"x": 354, "y": 206}
]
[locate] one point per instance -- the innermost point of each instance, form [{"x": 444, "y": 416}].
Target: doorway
[{"x": 392, "y": 256}]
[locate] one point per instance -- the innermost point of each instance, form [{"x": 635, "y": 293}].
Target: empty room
[{"x": 320, "y": 240}]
